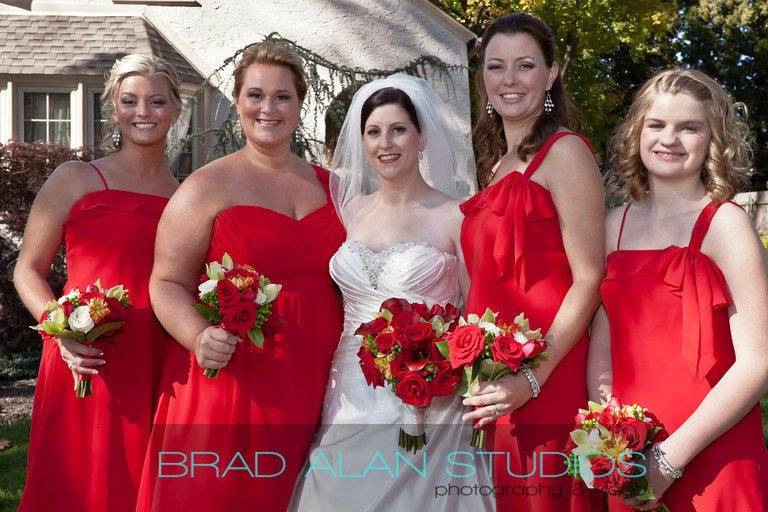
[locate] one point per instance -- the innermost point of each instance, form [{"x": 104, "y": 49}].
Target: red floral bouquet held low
[
  {"x": 488, "y": 349},
  {"x": 86, "y": 317},
  {"x": 398, "y": 351},
  {"x": 606, "y": 449},
  {"x": 238, "y": 298}
]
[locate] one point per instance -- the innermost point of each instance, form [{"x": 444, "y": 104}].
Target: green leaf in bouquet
[
  {"x": 120, "y": 293},
  {"x": 462, "y": 321},
  {"x": 493, "y": 370},
  {"x": 645, "y": 494},
  {"x": 533, "y": 335},
  {"x": 209, "y": 313},
  {"x": 69, "y": 334},
  {"x": 488, "y": 316},
  {"x": 214, "y": 271},
  {"x": 226, "y": 261},
  {"x": 472, "y": 319},
  {"x": 442, "y": 346},
  {"x": 469, "y": 380},
  {"x": 522, "y": 322},
  {"x": 256, "y": 335},
  {"x": 595, "y": 407},
  {"x": 385, "y": 314},
  {"x": 56, "y": 321},
  {"x": 102, "y": 329},
  {"x": 438, "y": 326},
  {"x": 463, "y": 388}
]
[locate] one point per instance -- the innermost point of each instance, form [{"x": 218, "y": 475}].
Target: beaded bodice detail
[{"x": 412, "y": 270}]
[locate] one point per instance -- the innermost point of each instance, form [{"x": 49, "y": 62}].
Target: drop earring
[
  {"x": 549, "y": 105},
  {"x": 117, "y": 138},
  {"x": 489, "y": 108}
]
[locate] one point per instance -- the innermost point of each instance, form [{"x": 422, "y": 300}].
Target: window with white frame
[
  {"x": 96, "y": 119},
  {"x": 181, "y": 142},
  {"x": 47, "y": 117}
]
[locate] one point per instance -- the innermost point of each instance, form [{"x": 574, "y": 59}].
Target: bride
[{"x": 400, "y": 167}]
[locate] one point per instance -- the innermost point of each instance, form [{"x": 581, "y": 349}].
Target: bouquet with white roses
[{"x": 86, "y": 317}]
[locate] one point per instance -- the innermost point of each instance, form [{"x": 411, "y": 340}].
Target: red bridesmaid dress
[
  {"x": 253, "y": 424},
  {"x": 86, "y": 454},
  {"x": 517, "y": 263},
  {"x": 670, "y": 344}
]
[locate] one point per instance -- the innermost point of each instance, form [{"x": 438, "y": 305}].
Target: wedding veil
[{"x": 447, "y": 164}]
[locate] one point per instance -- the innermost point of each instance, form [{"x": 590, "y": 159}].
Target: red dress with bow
[
  {"x": 86, "y": 454},
  {"x": 238, "y": 441},
  {"x": 516, "y": 260},
  {"x": 670, "y": 344}
]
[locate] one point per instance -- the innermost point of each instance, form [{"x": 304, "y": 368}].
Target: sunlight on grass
[{"x": 12, "y": 464}]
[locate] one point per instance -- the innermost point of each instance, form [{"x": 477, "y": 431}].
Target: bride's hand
[
  {"x": 497, "y": 398},
  {"x": 214, "y": 347}
]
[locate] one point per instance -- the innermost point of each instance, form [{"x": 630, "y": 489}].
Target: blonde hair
[
  {"x": 729, "y": 156},
  {"x": 271, "y": 52},
  {"x": 134, "y": 64}
]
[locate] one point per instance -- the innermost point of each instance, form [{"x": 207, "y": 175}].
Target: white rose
[
  {"x": 490, "y": 327},
  {"x": 520, "y": 338},
  {"x": 80, "y": 320},
  {"x": 207, "y": 286}
]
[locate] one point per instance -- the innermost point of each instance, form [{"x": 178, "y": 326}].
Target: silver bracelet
[
  {"x": 664, "y": 465},
  {"x": 535, "y": 387}
]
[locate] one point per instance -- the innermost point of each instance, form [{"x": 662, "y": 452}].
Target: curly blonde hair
[
  {"x": 271, "y": 52},
  {"x": 729, "y": 156},
  {"x": 134, "y": 64}
]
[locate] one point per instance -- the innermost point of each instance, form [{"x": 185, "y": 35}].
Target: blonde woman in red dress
[
  {"x": 86, "y": 454},
  {"x": 533, "y": 243},
  {"x": 685, "y": 300}
]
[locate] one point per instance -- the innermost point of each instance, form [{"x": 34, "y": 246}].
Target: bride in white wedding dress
[{"x": 400, "y": 168}]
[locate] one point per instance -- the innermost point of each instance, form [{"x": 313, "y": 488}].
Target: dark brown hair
[
  {"x": 388, "y": 96},
  {"x": 271, "y": 52},
  {"x": 490, "y": 144}
]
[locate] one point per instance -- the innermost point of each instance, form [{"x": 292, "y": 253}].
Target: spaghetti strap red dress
[
  {"x": 238, "y": 441},
  {"x": 517, "y": 263},
  {"x": 87, "y": 453},
  {"x": 670, "y": 344}
]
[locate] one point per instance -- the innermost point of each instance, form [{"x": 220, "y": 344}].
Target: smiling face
[
  {"x": 391, "y": 141},
  {"x": 675, "y": 137},
  {"x": 516, "y": 76},
  {"x": 268, "y": 105},
  {"x": 144, "y": 109}
]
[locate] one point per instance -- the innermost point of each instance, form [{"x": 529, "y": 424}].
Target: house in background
[{"x": 55, "y": 54}]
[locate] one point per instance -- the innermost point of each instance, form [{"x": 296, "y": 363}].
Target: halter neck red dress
[
  {"x": 670, "y": 344},
  {"x": 87, "y": 453},
  {"x": 238, "y": 441},
  {"x": 517, "y": 263}
]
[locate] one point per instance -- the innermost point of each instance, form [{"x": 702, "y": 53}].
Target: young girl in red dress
[
  {"x": 86, "y": 454},
  {"x": 533, "y": 244},
  {"x": 685, "y": 300}
]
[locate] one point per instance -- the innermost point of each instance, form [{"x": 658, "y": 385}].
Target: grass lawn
[{"x": 12, "y": 464}]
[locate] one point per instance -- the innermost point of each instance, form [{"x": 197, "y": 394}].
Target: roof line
[{"x": 445, "y": 19}]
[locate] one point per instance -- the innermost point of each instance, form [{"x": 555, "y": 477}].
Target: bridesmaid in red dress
[
  {"x": 533, "y": 243},
  {"x": 685, "y": 300},
  {"x": 86, "y": 454},
  {"x": 238, "y": 441}
]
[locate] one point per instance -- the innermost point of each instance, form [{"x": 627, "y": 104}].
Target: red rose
[
  {"x": 405, "y": 319},
  {"x": 506, "y": 350},
  {"x": 117, "y": 312},
  {"x": 68, "y": 308},
  {"x": 372, "y": 374},
  {"x": 421, "y": 309},
  {"x": 416, "y": 353},
  {"x": 385, "y": 341},
  {"x": 228, "y": 294},
  {"x": 605, "y": 474},
  {"x": 414, "y": 390},
  {"x": 606, "y": 419},
  {"x": 437, "y": 310},
  {"x": 396, "y": 306},
  {"x": 446, "y": 379},
  {"x": 466, "y": 343},
  {"x": 634, "y": 432},
  {"x": 249, "y": 294},
  {"x": 420, "y": 331},
  {"x": 451, "y": 313},
  {"x": 532, "y": 348},
  {"x": 373, "y": 327},
  {"x": 240, "y": 318},
  {"x": 398, "y": 367}
]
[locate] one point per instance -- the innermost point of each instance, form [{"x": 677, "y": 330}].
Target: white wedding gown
[{"x": 354, "y": 463}]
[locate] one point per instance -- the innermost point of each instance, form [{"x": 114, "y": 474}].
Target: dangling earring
[
  {"x": 117, "y": 137},
  {"x": 420, "y": 154},
  {"x": 549, "y": 105},
  {"x": 489, "y": 108}
]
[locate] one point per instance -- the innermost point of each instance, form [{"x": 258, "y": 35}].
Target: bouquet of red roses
[
  {"x": 398, "y": 350},
  {"x": 488, "y": 349},
  {"x": 238, "y": 298},
  {"x": 606, "y": 449},
  {"x": 86, "y": 317}
]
